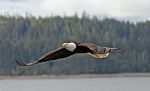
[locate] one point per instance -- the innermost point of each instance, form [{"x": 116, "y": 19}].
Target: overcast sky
[{"x": 133, "y": 10}]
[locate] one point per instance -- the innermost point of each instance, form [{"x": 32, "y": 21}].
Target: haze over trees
[{"x": 29, "y": 38}]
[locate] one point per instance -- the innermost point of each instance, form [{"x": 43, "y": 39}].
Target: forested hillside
[{"x": 29, "y": 38}]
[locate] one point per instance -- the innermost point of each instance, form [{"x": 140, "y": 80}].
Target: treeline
[{"x": 29, "y": 38}]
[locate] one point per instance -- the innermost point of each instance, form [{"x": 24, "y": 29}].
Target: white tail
[{"x": 96, "y": 55}]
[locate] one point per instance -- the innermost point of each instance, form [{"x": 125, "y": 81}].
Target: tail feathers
[
  {"x": 97, "y": 55},
  {"x": 20, "y": 63}
]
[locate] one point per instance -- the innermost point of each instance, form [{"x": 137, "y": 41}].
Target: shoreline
[{"x": 83, "y": 76}]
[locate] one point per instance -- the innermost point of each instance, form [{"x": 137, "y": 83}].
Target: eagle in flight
[{"x": 70, "y": 48}]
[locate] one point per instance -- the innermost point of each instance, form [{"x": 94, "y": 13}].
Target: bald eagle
[{"x": 70, "y": 48}]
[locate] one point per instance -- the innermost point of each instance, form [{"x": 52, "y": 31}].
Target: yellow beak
[{"x": 64, "y": 45}]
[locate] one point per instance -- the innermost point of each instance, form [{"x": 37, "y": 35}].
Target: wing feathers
[
  {"x": 28, "y": 64},
  {"x": 98, "y": 49},
  {"x": 57, "y": 54}
]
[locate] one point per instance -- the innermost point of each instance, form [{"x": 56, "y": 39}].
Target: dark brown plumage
[{"x": 68, "y": 49}]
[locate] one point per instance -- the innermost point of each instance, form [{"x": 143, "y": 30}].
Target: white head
[{"x": 69, "y": 46}]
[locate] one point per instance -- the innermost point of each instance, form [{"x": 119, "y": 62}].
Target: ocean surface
[{"x": 77, "y": 84}]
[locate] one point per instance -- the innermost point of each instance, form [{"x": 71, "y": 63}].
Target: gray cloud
[
  {"x": 12, "y": 0},
  {"x": 121, "y": 9}
]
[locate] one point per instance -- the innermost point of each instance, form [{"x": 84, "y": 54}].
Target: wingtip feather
[{"x": 20, "y": 63}]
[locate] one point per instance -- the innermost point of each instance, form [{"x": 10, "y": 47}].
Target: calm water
[{"x": 78, "y": 84}]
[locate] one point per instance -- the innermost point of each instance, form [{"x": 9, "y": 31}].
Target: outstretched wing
[
  {"x": 86, "y": 47},
  {"x": 92, "y": 48},
  {"x": 57, "y": 54}
]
